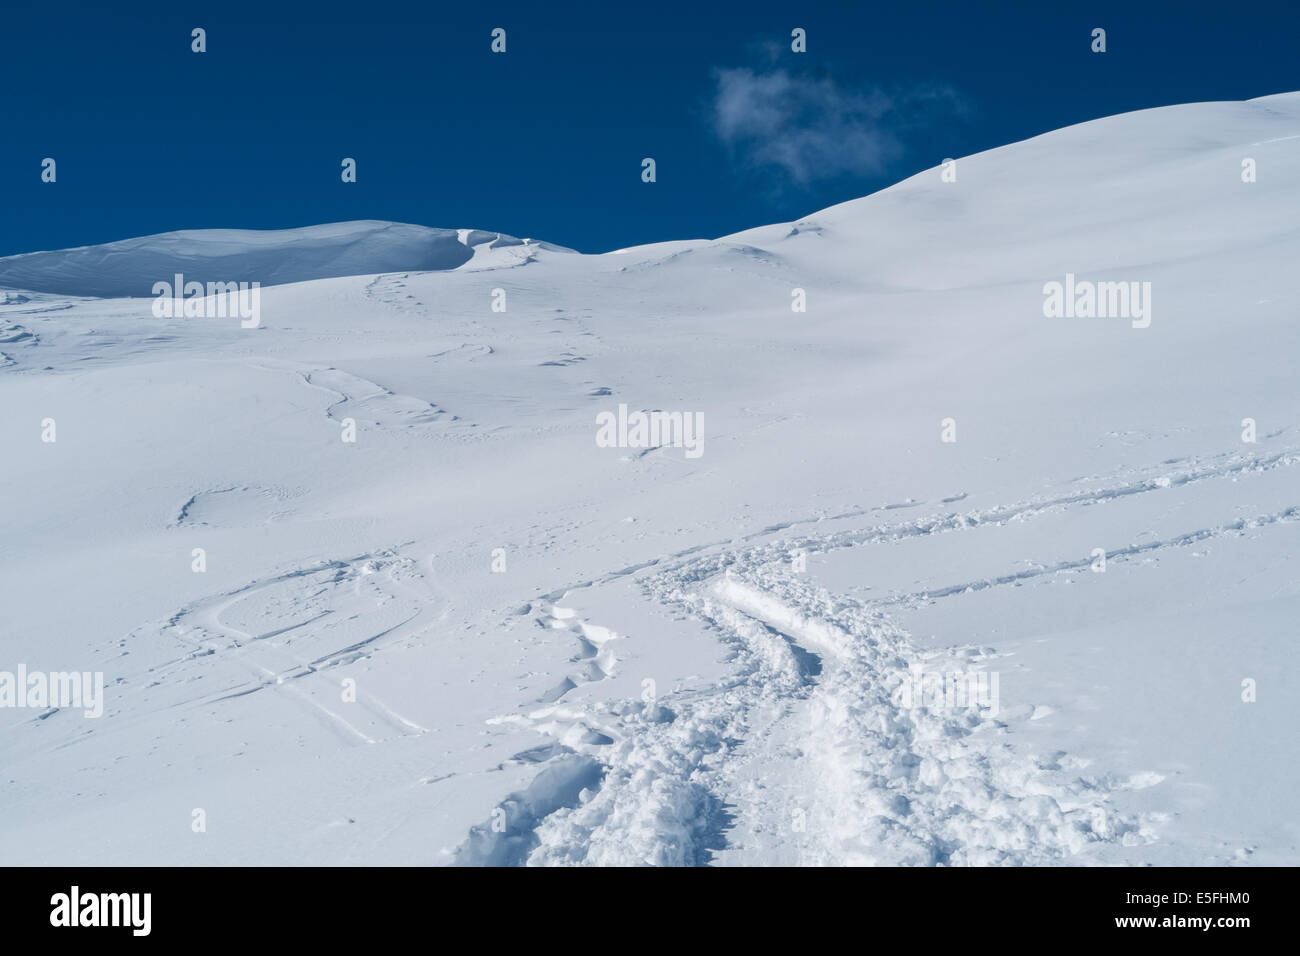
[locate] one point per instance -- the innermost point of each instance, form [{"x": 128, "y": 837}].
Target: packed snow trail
[{"x": 809, "y": 753}]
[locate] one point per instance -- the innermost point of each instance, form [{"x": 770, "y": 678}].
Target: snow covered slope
[
  {"x": 477, "y": 634},
  {"x": 131, "y": 267}
]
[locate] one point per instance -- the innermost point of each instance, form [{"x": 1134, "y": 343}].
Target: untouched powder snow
[{"x": 491, "y": 631}]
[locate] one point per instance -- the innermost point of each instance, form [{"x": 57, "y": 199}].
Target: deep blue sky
[{"x": 547, "y": 140}]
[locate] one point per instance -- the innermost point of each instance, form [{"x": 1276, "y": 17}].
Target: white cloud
[{"x": 807, "y": 127}]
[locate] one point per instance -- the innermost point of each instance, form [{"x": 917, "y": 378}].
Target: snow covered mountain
[
  {"x": 271, "y": 257},
  {"x": 1033, "y": 438}
]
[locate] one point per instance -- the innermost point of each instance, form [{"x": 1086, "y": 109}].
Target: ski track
[
  {"x": 815, "y": 680},
  {"x": 271, "y": 657},
  {"x": 379, "y": 405}
]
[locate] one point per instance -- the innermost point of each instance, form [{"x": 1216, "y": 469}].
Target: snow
[
  {"x": 474, "y": 636},
  {"x": 272, "y": 257}
]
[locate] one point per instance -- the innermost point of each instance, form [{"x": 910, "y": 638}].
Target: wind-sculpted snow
[{"x": 130, "y": 267}]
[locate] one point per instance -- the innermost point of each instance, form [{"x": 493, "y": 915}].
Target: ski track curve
[{"x": 316, "y": 594}]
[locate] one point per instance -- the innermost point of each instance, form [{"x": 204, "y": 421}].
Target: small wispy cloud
[{"x": 811, "y": 128}]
